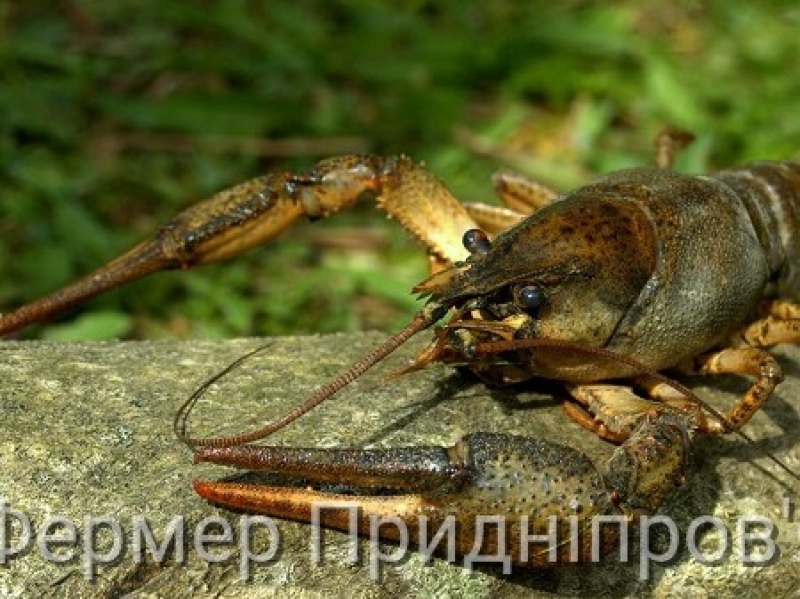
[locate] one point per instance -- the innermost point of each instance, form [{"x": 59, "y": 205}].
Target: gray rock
[{"x": 87, "y": 434}]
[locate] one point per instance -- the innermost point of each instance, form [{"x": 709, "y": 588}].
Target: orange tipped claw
[{"x": 518, "y": 482}]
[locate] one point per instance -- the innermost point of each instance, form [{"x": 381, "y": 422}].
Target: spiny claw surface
[{"x": 521, "y": 482}]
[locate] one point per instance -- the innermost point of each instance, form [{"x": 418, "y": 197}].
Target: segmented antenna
[{"x": 421, "y": 321}]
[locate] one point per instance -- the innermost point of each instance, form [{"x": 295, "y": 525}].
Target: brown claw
[
  {"x": 483, "y": 483},
  {"x": 226, "y": 224},
  {"x": 256, "y": 211}
]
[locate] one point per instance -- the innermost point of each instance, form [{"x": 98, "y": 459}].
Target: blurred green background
[{"x": 114, "y": 115}]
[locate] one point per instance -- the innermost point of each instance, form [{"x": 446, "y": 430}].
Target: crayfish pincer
[
  {"x": 601, "y": 288},
  {"x": 527, "y": 488}
]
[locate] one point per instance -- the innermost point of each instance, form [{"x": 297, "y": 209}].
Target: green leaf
[{"x": 92, "y": 326}]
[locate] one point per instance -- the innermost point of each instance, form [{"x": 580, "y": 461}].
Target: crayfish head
[{"x": 571, "y": 272}]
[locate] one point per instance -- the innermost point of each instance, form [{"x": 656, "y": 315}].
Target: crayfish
[{"x": 602, "y": 288}]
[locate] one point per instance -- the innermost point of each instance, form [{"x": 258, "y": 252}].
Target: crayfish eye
[
  {"x": 530, "y": 297},
  {"x": 476, "y": 241}
]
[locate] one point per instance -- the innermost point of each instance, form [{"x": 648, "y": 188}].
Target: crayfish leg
[
  {"x": 493, "y": 219},
  {"x": 522, "y": 194},
  {"x": 612, "y": 412},
  {"x": 668, "y": 142},
  {"x": 750, "y": 361}
]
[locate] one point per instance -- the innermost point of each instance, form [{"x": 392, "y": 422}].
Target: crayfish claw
[{"x": 493, "y": 493}]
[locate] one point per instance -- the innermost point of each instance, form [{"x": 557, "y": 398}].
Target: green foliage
[{"x": 116, "y": 114}]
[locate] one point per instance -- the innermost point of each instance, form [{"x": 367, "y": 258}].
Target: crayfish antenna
[{"x": 425, "y": 318}]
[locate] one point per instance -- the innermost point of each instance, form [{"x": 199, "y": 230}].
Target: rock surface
[{"x": 87, "y": 437}]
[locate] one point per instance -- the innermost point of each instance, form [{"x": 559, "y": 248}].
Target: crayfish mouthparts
[{"x": 523, "y": 485}]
